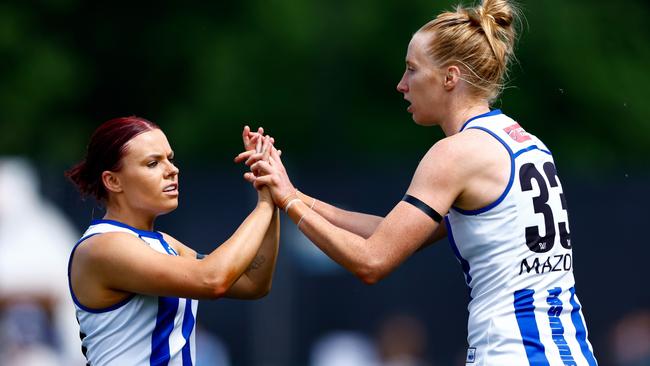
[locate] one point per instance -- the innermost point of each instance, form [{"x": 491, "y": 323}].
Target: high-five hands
[
  {"x": 257, "y": 143},
  {"x": 266, "y": 168},
  {"x": 250, "y": 138}
]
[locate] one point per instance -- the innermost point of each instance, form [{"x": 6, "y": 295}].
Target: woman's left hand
[{"x": 251, "y": 139}]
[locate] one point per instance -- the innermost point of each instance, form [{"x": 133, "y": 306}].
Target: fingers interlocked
[{"x": 263, "y": 159}]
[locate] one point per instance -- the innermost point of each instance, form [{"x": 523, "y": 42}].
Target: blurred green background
[{"x": 319, "y": 75}]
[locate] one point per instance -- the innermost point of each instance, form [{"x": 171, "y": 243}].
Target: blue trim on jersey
[
  {"x": 167, "y": 307},
  {"x": 141, "y": 233},
  {"x": 74, "y": 297},
  {"x": 510, "y": 181},
  {"x": 167, "y": 247},
  {"x": 146, "y": 233},
  {"x": 530, "y": 148},
  {"x": 188, "y": 326},
  {"x": 488, "y": 114},
  {"x": 556, "y": 307},
  {"x": 525, "y": 313},
  {"x": 463, "y": 262},
  {"x": 581, "y": 330}
]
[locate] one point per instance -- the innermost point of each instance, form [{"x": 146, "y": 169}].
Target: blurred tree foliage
[{"x": 319, "y": 75}]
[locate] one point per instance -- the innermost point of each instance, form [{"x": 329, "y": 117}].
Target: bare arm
[
  {"x": 401, "y": 233},
  {"x": 356, "y": 222},
  {"x": 439, "y": 233},
  {"x": 405, "y": 229},
  {"x": 359, "y": 223},
  {"x": 120, "y": 262},
  {"x": 256, "y": 281}
]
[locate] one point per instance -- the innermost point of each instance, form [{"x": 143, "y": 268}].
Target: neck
[
  {"x": 460, "y": 113},
  {"x": 138, "y": 220}
]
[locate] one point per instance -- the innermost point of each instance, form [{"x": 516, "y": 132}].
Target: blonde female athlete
[
  {"x": 134, "y": 287},
  {"x": 489, "y": 186}
]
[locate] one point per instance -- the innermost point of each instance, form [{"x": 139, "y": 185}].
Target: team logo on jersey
[
  {"x": 471, "y": 355},
  {"x": 517, "y": 133}
]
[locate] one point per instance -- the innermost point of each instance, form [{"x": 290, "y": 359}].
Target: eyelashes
[{"x": 154, "y": 163}]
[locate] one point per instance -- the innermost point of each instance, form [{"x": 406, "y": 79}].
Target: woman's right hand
[
  {"x": 270, "y": 172},
  {"x": 259, "y": 148},
  {"x": 264, "y": 196},
  {"x": 253, "y": 142},
  {"x": 260, "y": 144}
]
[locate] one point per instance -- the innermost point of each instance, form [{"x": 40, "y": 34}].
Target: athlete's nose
[
  {"x": 172, "y": 170},
  {"x": 401, "y": 86}
]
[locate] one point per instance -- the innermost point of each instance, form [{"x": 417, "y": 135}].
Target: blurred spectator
[
  {"x": 24, "y": 336},
  {"x": 344, "y": 348},
  {"x": 631, "y": 339},
  {"x": 37, "y": 321},
  {"x": 210, "y": 350},
  {"x": 402, "y": 341}
]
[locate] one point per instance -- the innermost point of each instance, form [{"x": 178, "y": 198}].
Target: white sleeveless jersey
[
  {"x": 517, "y": 260},
  {"x": 141, "y": 330}
]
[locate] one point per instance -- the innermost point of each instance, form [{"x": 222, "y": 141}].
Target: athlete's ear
[
  {"x": 111, "y": 182},
  {"x": 452, "y": 77}
]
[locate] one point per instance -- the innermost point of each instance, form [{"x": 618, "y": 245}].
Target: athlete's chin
[
  {"x": 168, "y": 206},
  {"x": 415, "y": 118},
  {"x": 422, "y": 121}
]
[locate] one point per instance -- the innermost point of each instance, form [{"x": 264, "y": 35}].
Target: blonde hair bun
[{"x": 480, "y": 39}]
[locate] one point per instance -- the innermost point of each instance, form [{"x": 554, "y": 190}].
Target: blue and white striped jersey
[
  {"x": 141, "y": 330},
  {"x": 517, "y": 259}
]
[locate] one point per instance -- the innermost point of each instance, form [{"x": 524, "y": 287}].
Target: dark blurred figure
[
  {"x": 402, "y": 341},
  {"x": 630, "y": 339}
]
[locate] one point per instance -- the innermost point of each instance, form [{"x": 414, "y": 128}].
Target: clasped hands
[{"x": 266, "y": 168}]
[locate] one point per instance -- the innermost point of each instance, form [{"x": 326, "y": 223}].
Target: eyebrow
[{"x": 159, "y": 156}]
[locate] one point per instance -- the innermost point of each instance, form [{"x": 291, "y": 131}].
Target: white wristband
[
  {"x": 286, "y": 208},
  {"x": 300, "y": 221}
]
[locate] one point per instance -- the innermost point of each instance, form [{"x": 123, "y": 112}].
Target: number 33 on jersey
[{"x": 516, "y": 255}]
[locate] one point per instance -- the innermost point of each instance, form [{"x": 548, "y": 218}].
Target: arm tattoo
[{"x": 257, "y": 262}]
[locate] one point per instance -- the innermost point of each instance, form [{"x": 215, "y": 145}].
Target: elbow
[
  {"x": 217, "y": 289},
  {"x": 261, "y": 291},
  {"x": 255, "y": 293},
  {"x": 266, "y": 290},
  {"x": 372, "y": 272},
  {"x": 370, "y": 278},
  {"x": 217, "y": 285}
]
